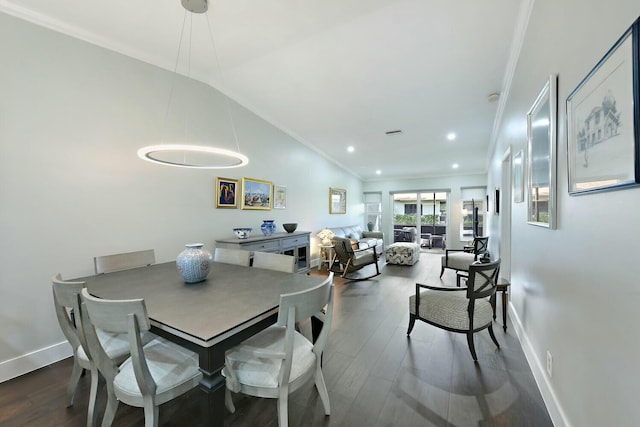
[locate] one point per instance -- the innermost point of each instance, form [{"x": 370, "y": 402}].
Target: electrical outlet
[{"x": 549, "y": 364}]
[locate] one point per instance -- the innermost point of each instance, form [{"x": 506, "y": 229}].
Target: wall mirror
[{"x": 541, "y": 167}]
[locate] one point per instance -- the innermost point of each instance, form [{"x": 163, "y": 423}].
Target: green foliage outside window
[{"x": 410, "y": 219}]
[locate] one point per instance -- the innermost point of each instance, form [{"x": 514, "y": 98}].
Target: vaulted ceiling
[{"x": 331, "y": 73}]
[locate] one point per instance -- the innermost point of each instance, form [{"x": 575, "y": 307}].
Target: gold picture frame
[
  {"x": 337, "y": 200},
  {"x": 257, "y": 194},
  {"x": 226, "y": 193}
]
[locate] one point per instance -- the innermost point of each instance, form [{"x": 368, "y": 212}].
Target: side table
[
  {"x": 327, "y": 255},
  {"x": 502, "y": 286}
]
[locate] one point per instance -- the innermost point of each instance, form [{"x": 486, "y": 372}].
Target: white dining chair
[
  {"x": 232, "y": 256},
  {"x": 155, "y": 373},
  {"x": 276, "y": 262},
  {"x": 66, "y": 301},
  {"x": 279, "y": 360},
  {"x": 124, "y": 261}
]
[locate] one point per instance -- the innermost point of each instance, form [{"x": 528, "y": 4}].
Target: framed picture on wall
[
  {"x": 226, "y": 193},
  {"x": 602, "y": 121},
  {"x": 337, "y": 201},
  {"x": 279, "y": 197},
  {"x": 256, "y": 194}
]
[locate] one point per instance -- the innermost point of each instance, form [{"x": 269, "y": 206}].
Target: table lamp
[{"x": 326, "y": 235}]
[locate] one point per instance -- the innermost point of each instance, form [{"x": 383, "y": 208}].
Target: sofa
[{"x": 365, "y": 239}]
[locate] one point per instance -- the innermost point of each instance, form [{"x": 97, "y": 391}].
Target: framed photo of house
[
  {"x": 603, "y": 120},
  {"x": 256, "y": 194},
  {"x": 337, "y": 201},
  {"x": 226, "y": 193},
  {"x": 541, "y": 164},
  {"x": 518, "y": 178},
  {"x": 279, "y": 197}
]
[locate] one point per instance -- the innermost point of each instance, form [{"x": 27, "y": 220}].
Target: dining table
[{"x": 209, "y": 317}]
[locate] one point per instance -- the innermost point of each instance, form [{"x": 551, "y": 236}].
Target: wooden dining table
[{"x": 232, "y": 304}]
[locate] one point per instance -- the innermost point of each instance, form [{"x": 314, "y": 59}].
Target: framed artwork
[
  {"x": 226, "y": 193},
  {"x": 279, "y": 197},
  {"x": 541, "y": 164},
  {"x": 603, "y": 119},
  {"x": 337, "y": 201},
  {"x": 497, "y": 201},
  {"x": 518, "y": 178},
  {"x": 256, "y": 194}
]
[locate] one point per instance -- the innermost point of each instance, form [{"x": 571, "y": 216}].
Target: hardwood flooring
[{"x": 375, "y": 375}]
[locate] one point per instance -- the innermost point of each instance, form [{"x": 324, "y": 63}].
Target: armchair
[
  {"x": 352, "y": 260},
  {"x": 465, "y": 310},
  {"x": 461, "y": 259}
]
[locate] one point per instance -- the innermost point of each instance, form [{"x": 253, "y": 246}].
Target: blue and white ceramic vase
[
  {"x": 268, "y": 227},
  {"x": 194, "y": 263}
]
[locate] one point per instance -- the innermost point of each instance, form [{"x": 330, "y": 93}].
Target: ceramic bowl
[
  {"x": 290, "y": 227},
  {"x": 242, "y": 233}
]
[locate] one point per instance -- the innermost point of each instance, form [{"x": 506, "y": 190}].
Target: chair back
[
  {"x": 65, "y": 297},
  {"x": 480, "y": 245},
  {"x": 298, "y": 306},
  {"x": 275, "y": 262},
  {"x": 232, "y": 256},
  {"x": 112, "y": 315},
  {"x": 343, "y": 249},
  {"x": 306, "y": 303},
  {"x": 482, "y": 280},
  {"x": 124, "y": 261}
]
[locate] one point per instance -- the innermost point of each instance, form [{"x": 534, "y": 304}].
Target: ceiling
[{"x": 331, "y": 73}]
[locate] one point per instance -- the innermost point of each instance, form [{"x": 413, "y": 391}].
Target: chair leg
[
  {"x": 283, "y": 411},
  {"x": 472, "y": 347},
  {"x": 228, "y": 401},
  {"x": 151, "y": 412},
  {"x": 73, "y": 382},
  {"x": 92, "y": 410},
  {"x": 322, "y": 390},
  {"x": 441, "y": 272},
  {"x": 412, "y": 322},
  {"x": 493, "y": 337},
  {"x": 112, "y": 407}
]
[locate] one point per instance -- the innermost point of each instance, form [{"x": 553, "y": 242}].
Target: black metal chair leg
[{"x": 412, "y": 323}]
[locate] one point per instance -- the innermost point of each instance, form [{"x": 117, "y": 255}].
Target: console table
[{"x": 295, "y": 244}]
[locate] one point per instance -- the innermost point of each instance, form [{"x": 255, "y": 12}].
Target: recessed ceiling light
[
  {"x": 378, "y": 172},
  {"x": 351, "y": 149},
  {"x": 451, "y": 136},
  {"x": 455, "y": 166}
]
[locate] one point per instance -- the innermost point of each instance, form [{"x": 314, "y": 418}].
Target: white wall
[
  {"x": 574, "y": 289},
  {"x": 72, "y": 116},
  {"x": 452, "y": 184}
]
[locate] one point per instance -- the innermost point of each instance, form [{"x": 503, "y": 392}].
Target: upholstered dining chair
[
  {"x": 232, "y": 256},
  {"x": 279, "y": 360},
  {"x": 461, "y": 259},
  {"x": 276, "y": 262},
  {"x": 155, "y": 373},
  {"x": 464, "y": 310},
  {"x": 352, "y": 260},
  {"x": 124, "y": 261},
  {"x": 65, "y": 298}
]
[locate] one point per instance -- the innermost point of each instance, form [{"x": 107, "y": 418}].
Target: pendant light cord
[{"x": 226, "y": 98}]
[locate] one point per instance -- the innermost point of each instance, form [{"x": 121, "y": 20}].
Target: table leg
[{"x": 504, "y": 310}]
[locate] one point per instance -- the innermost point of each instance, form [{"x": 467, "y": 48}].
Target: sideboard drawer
[
  {"x": 268, "y": 246},
  {"x": 292, "y": 242}
]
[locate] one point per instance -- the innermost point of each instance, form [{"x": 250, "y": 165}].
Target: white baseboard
[
  {"x": 26, "y": 363},
  {"x": 538, "y": 369}
]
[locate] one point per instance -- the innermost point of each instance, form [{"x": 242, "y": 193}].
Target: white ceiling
[{"x": 331, "y": 73}]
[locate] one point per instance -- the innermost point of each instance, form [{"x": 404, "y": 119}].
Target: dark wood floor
[{"x": 374, "y": 374}]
